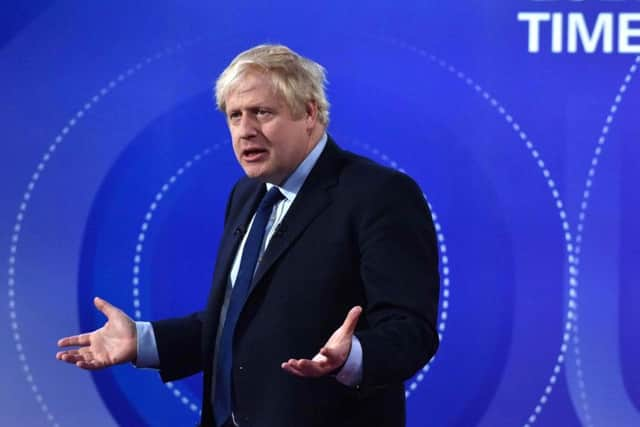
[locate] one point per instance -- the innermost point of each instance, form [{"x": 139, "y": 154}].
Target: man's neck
[{"x": 295, "y": 179}]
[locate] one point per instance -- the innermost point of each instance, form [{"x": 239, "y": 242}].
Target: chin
[
  {"x": 252, "y": 172},
  {"x": 262, "y": 174}
]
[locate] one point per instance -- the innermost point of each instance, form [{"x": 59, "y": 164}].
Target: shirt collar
[{"x": 292, "y": 185}]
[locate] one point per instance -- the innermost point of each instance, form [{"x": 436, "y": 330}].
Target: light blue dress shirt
[{"x": 351, "y": 372}]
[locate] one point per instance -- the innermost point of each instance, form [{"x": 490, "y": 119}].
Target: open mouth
[{"x": 254, "y": 154}]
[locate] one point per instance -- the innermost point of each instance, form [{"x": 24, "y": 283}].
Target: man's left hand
[{"x": 332, "y": 355}]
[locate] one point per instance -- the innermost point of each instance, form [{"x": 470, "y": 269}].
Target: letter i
[{"x": 556, "y": 32}]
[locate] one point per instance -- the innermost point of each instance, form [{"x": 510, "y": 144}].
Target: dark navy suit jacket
[{"x": 356, "y": 234}]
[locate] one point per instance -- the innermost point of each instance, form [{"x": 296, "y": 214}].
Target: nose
[{"x": 247, "y": 126}]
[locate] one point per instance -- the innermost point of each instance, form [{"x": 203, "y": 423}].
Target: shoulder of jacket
[{"x": 364, "y": 170}]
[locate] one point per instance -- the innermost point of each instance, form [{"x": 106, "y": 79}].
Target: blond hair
[{"x": 297, "y": 79}]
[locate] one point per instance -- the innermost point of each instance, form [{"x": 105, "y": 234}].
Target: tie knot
[{"x": 272, "y": 197}]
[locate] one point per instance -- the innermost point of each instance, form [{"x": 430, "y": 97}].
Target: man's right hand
[{"x": 114, "y": 343}]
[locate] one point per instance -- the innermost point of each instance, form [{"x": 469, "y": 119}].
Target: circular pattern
[
  {"x": 23, "y": 208},
  {"x": 584, "y": 205},
  {"x": 571, "y": 313},
  {"x": 559, "y": 204},
  {"x": 144, "y": 229},
  {"x": 139, "y": 247},
  {"x": 444, "y": 271}
]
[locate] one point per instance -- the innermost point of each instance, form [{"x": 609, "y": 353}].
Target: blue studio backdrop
[{"x": 519, "y": 120}]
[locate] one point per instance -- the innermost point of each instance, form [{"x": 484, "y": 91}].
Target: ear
[{"x": 311, "y": 114}]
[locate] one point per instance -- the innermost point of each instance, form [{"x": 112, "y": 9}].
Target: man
[{"x": 312, "y": 234}]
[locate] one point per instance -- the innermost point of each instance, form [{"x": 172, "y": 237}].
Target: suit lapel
[
  {"x": 312, "y": 199},
  {"x": 233, "y": 234},
  {"x": 294, "y": 223}
]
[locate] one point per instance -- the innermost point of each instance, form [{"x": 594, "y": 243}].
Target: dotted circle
[
  {"x": 584, "y": 205},
  {"x": 445, "y": 270},
  {"x": 555, "y": 193},
  {"x": 23, "y": 210},
  {"x": 139, "y": 247},
  {"x": 572, "y": 304},
  {"x": 144, "y": 229}
]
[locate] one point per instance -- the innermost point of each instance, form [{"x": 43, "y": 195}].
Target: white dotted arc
[
  {"x": 146, "y": 223},
  {"x": 546, "y": 173},
  {"x": 24, "y": 205},
  {"x": 139, "y": 248},
  {"x": 584, "y": 204},
  {"x": 444, "y": 271},
  {"x": 183, "y": 399}
]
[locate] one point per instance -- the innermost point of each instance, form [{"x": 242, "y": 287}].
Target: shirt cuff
[
  {"x": 351, "y": 373},
  {"x": 147, "y": 347}
]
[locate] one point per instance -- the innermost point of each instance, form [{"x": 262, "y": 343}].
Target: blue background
[{"x": 115, "y": 167}]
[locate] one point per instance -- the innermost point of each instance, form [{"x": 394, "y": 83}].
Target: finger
[
  {"x": 311, "y": 368},
  {"x": 73, "y": 356},
  {"x": 90, "y": 365},
  {"x": 350, "y": 322},
  {"x": 78, "y": 340},
  {"x": 320, "y": 357},
  {"x": 61, "y": 354},
  {"x": 106, "y": 308},
  {"x": 292, "y": 363},
  {"x": 291, "y": 369},
  {"x": 331, "y": 356}
]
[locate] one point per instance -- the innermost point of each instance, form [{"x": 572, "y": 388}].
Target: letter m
[{"x": 577, "y": 29}]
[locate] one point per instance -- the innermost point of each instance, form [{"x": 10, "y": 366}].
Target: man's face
[{"x": 268, "y": 141}]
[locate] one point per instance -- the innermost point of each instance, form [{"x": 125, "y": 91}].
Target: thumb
[
  {"x": 351, "y": 320},
  {"x": 106, "y": 308}
]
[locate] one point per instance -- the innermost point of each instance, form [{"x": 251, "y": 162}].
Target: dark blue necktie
[{"x": 222, "y": 395}]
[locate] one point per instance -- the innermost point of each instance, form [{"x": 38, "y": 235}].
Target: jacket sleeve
[
  {"x": 179, "y": 346},
  {"x": 399, "y": 269}
]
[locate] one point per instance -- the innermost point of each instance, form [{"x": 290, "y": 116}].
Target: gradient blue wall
[{"x": 115, "y": 167}]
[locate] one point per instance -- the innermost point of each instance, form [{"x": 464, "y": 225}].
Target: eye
[
  {"x": 263, "y": 112},
  {"x": 234, "y": 115}
]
